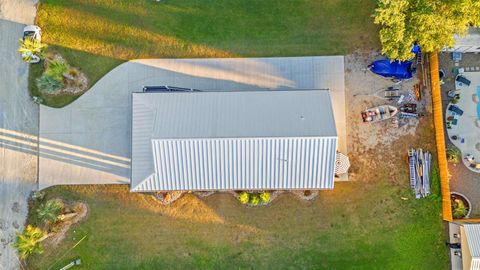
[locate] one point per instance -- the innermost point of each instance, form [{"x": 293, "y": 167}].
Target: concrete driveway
[
  {"x": 88, "y": 141},
  {"x": 18, "y": 129}
]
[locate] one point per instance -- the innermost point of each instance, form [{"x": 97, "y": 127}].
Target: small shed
[{"x": 235, "y": 140}]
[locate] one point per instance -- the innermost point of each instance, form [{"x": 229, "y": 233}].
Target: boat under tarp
[{"x": 395, "y": 69}]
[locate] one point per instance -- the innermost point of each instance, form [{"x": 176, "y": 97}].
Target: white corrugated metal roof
[
  {"x": 242, "y": 164},
  {"x": 475, "y": 264},
  {"x": 472, "y": 232},
  {"x": 240, "y": 114},
  {"x": 233, "y": 140}
]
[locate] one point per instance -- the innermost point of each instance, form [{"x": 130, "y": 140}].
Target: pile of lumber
[{"x": 420, "y": 163}]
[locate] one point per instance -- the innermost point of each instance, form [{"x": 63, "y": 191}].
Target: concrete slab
[
  {"x": 467, "y": 127},
  {"x": 455, "y": 261},
  {"x": 96, "y": 148},
  {"x": 18, "y": 130}
]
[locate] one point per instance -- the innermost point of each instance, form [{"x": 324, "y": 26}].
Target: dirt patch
[
  {"x": 361, "y": 86},
  {"x": 376, "y": 149}
]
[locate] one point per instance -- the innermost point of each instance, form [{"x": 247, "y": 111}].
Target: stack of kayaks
[{"x": 420, "y": 165}]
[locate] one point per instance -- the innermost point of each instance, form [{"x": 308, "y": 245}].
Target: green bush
[
  {"x": 453, "y": 155},
  {"x": 459, "y": 210},
  {"x": 254, "y": 199},
  {"x": 56, "y": 69},
  {"x": 244, "y": 197},
  {"x": 49, "y": 211},
  {"x": 30, "y": 47},
  {"x": 28, "y": 242},
  {"x": 49, "y": 84},
  {"x": 265, "y": 197},
  {"x": 74, "y": 72}
]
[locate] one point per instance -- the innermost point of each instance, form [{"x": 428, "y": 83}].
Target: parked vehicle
[
  {"x": 32, "y": 32},
  {"x": 31, "y": 39},
  {"x": 379, "y": 113},
  {"x": 166, "y": 88}
]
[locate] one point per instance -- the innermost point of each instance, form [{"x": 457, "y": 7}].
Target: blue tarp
[
  {"x": 415, "y": 49},
  {"x": 396, "y": 69}
]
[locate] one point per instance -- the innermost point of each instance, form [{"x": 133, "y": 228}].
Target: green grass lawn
[
  {"x": 97, "y": 35},
  {"x": 356, "y": 226}
]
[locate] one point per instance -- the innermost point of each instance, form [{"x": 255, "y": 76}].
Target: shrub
[
  {"x": 29, "y": 47},
  {"x": 49, "y": 211},
  {"x": 38, "y": 195},
  {"x": 28, "y": 242},
  {"x": 49, "y": 84},
  {"x": 78, "y": 83},
  {"x": 56, "y": 69},
  {"x": 254, "y": 199},
  {"x": 74, "y": 72},
  {"x": 459, "y": 210},
  {"x": 244, "y": 197},
  {"x": 453, "y": 155},
  {"x": 265, "y": 197}
]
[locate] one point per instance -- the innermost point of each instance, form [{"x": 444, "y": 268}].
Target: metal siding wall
[
  {"x": 472, "y": 232},
  {"x": 247, "y": 163}
]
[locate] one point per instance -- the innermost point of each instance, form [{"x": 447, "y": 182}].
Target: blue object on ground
[
  {"x": 395, "y": 69},
  {"x": 455, "y": 109}
]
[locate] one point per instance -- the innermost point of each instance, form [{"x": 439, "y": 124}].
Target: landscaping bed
[
  {"x": 461, "y": 205},
  {"x": 49, "y": 220}
]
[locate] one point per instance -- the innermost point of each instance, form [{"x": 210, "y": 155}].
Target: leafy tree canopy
[{"x": 428, "y": 23}]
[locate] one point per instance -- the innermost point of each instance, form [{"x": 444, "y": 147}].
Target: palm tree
[
  {"x": 28, "y": 242},
  {"x": 49, "y": 211},
  {"x": 30, "y": 48}
]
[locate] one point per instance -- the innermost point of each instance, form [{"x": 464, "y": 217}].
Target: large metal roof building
[{"x": 243, "y": 140}]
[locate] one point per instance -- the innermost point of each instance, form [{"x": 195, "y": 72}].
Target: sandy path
[{"x": 18, "y": 129}]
